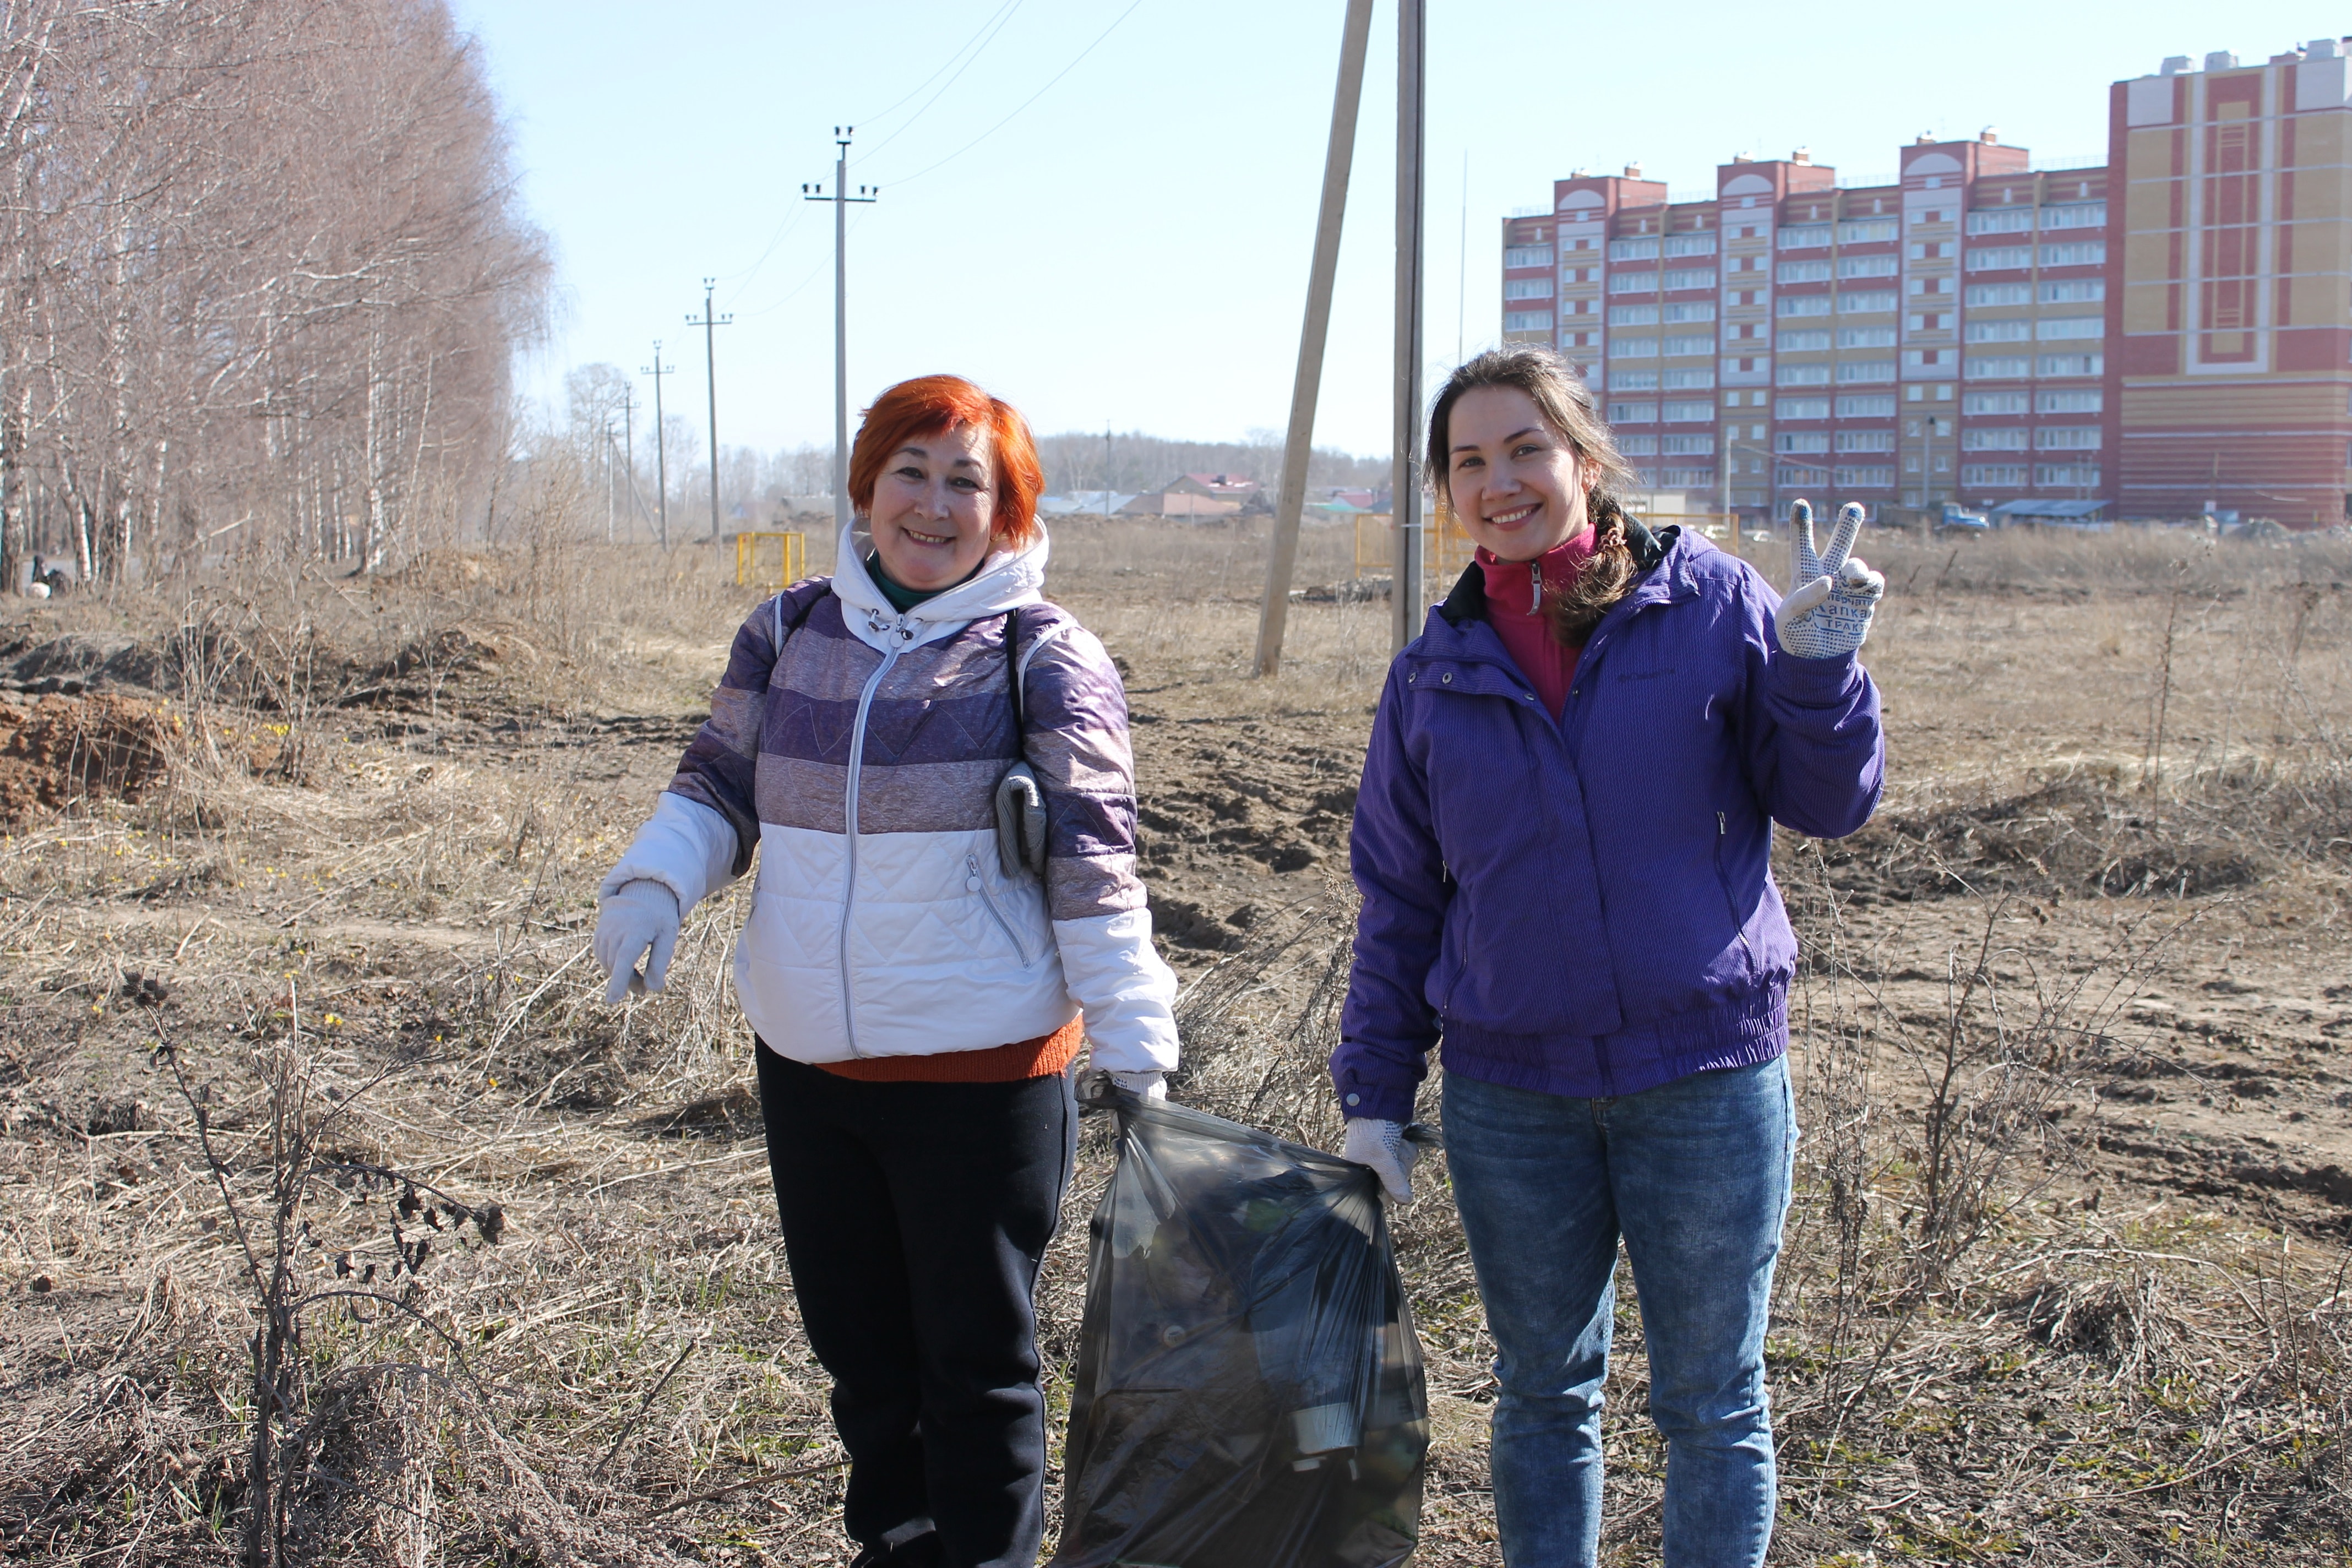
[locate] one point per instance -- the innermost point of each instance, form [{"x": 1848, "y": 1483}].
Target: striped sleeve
[
  {"x": 720, "y": 762},
  {"x": 1077, "y": 740}
]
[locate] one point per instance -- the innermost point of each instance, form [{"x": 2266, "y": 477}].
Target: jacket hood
[{"x": 1006, "y": 580}]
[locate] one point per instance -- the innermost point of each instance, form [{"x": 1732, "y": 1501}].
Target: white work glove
[
  {"x": 641, "y": 917},
  {"x": 1382, "y": 1146},
  {"x": 1830, "y": 596},
  {"x": 1142, "y": 1085}
]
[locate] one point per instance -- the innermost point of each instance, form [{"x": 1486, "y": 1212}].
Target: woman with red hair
[{"x": 932, "y": 764}]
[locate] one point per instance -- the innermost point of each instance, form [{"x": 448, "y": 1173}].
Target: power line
[
  {"x": 1007, "y": 15},
  {"x": 841, "y": 198},
  {"x": 1025, "y": 102},
  {"x": 709, "y": 322},
  {"x": 885, "y": 114},
  {"x": 661, "y": 441}
]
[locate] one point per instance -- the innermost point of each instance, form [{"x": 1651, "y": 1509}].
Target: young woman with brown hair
[{"x": 1563, "y": 843}]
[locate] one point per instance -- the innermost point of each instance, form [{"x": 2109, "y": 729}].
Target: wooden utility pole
[
  {"x": 841, "y": 198},
  {"x": 1291, "y": 499},
  {"x": 1404, "y": 506},
  {"x": 709, "y": 323}
]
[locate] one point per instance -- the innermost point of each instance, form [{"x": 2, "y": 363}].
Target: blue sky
[{"x": 1131, "y": 246}]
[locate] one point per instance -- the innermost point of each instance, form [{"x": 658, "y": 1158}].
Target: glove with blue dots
[{"x": 1831, "y": 595}]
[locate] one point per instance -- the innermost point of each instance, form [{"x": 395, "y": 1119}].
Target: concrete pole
[
  {"x": 1405, "y": 596},
  {"x": 841, "y": 336},
  {"x": 1291, "y": 499}
]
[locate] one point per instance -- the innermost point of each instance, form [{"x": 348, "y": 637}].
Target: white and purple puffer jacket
[{"x": 861, "y": 765}]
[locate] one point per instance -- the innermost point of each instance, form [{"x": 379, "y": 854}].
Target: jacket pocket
[
  {"x": 975, "y": 880},
  {"x": 1730, "y": 904}
]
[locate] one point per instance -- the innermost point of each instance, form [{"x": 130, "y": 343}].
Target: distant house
[
  {"x": 1178, "y": 503},
  {"x": 1216, "y": 487}
]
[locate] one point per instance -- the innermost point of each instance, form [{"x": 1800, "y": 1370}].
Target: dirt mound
[
  {"x": 2076, "y": 835},
  {"x": 61, "y": 750},
  {"x": 80, "y": 660}
]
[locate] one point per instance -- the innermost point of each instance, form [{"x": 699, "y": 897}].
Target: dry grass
[{"x": 357, "y": 912}]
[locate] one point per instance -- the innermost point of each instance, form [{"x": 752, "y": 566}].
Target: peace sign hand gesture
[{"x": 1831, "y": 595}]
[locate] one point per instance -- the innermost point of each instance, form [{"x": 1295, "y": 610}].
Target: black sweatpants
[{"x": 915, "y": 1216}]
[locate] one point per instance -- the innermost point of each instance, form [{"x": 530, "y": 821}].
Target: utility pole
[
  {"x": 709, "y": 323},
  {"x": 605, "y": 442},
  {"x": 1404, "y": 596},
  {"x": 1291, "y": 499},
  {"x": 841, "y": 198},
  {"x": 661, "y": 444},
  {"x": 629, "y": 444},
  {"x": 1106, "y": 471}
]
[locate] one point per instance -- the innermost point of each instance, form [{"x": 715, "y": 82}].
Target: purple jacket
[{"x": 1587, "y": 908}]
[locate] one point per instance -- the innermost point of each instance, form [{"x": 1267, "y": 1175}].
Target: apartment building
[{"x": 2166, "y": 331}]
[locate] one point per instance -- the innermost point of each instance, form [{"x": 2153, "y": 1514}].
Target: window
[
  {"x": 1865, "y": 371},
  {"x": 1997, "y": 438},
  {"x": 2074, "y": 292},
  {"x": 1866, "y": 405},
  {"x": 1878, "y": 478},
  {"x": 1996, "y": 402},
  {"x": 1803, "y": 343},
  {"x": 2013, "y": 331},
  {"x": 2067, "y": 475},
  {"x": 1687, "y": 478},
  {"x": 1704, "y": 345},
  {"x": 1864, "y": 301},
  {"x": 2050, "y": 327},
  {"x": 2002, "y": 220},
  {"x": 2075, "y": 215},
  {"x": 1633, "y": 381},
  {"x": 2074, "y": 400},
  {"x": 1632, "y": 250},
  {"x": 1804, "y": 375},
  {"x": 1703, "y": 311},
  {"x": 1632, "y": 413},
  {"x": 1689, "y": 413},
  {"x": 1638, "y": 445},
  {"x": 1527, "y": 256},
  {"x": 1693, "y": 380},
  {"x": 1526, "y": 321},
  {"x": 1931, "y": 249},
  {"x": 1527, "y": 289},
  {"x": 2066, "y": 438},
  {"x": 1802, "y": 305},
  {"x": 1802, "y": 408},
  {"x": 2071, "y": 365},
  {"x": 1867, "y": 266},
  {"x": 1865, "y": 231},
  {"x": 1690, "y": 245},
  {"x": 1804, "y": 236},
  {"x": 1866, "y": 337},
  {"x": 1788, "y": 442},
  {"x": 1992, "y": 475},
  {"x": 1633, "y": 315},
  {"x": 2000, "y": 258},
  {"x": 1688, "y": 445},
  {"x": 2000, "y": 293},
  {"x": 1982, "y": 367},
  {"x": 1804, "y": 272},
  {"x": 2081, "y": 253},
  {"x": 1865, "y": 441},
  {"x": 1690, "y": 278},
  {"x": 1791, "y": 474},
  {"x": 1632, "y": 282},
  {"x": 1633, "y": 348}
]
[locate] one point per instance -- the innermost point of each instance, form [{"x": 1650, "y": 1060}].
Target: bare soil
[{"x": 2065, "y": 1280}]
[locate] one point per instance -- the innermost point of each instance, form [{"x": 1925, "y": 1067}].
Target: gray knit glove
[
  {"x": 1831, "y": 595},
  {"x": 1382, "y": 1146}
]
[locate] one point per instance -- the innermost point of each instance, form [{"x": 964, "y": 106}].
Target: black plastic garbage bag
[{"x": 1249, "y": 1389}]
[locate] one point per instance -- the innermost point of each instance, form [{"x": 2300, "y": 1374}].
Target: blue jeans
[{"x": 1695, "y": 1175}]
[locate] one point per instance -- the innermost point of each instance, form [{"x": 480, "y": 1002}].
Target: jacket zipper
[
  {"x": 972, "y": 864},
  {"x": 1723, "y": 880},
  {"x": 849, "y": 819}
]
